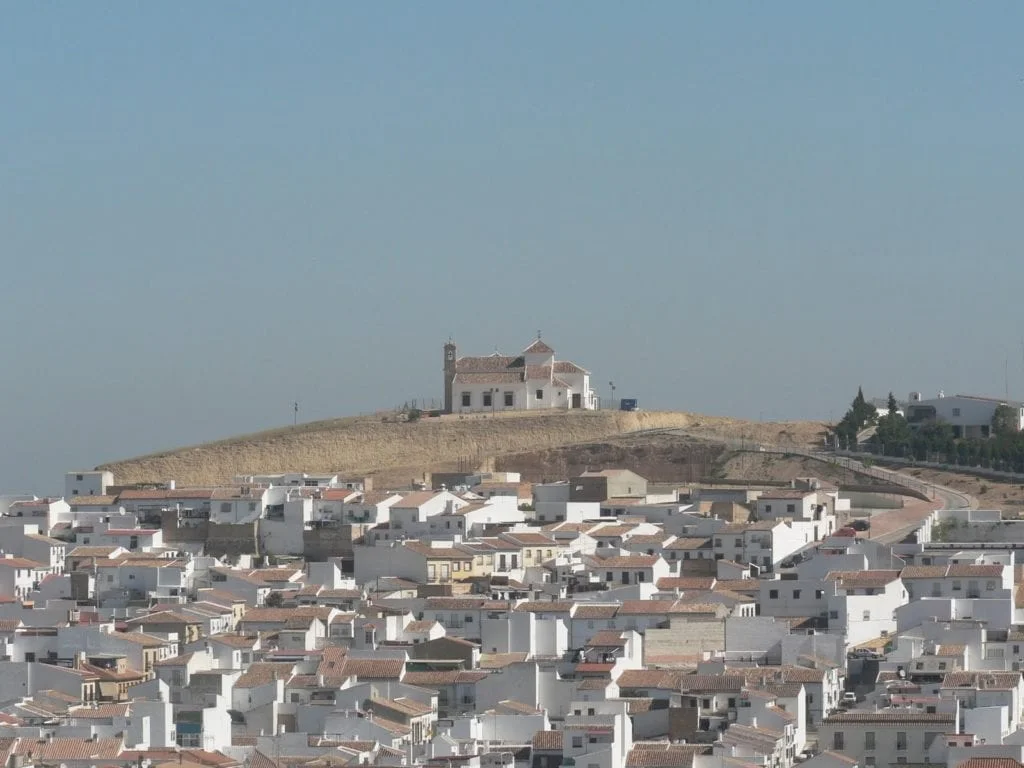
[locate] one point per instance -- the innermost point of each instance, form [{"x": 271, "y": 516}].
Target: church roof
[
  {"x": 512, "y": 369},
  {"x": 538, "y": 348}
]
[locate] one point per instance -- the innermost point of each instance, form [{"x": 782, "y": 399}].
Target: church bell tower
[{"x": 449, "y": 374}]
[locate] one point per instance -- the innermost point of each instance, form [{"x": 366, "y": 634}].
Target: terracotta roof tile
[
  {"x": 649, "y": 678},
  {"x": 262, "y": 673},
  {"x": 545, "y": 606},
  {"x": 862, "y": 579},
  {"x": 708, "y": 683},
  {"x": 59, "y": 749},
  {"x": 895, "y": 718},
  {"x": 627, "y": 561},
  {"x": 548, "y": 741},
  {"x": 590, "y": 612},
  {"x": 664, "y": 755}
]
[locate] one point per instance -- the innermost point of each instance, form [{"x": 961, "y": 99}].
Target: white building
[
  {"x": 889, "y": 738},
  {"x": 865, "y": 603},
  {"x": 765, "y": 543},
  {"x": 969, "y": 416},
  {"x": 87, "y": 483},
  {"x": 532, "y": 380}
]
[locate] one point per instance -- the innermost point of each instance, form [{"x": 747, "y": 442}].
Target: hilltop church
[{"x": 533, "y": 380}]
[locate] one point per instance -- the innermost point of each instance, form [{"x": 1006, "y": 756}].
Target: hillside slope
[{"x": 370, "y": 445}]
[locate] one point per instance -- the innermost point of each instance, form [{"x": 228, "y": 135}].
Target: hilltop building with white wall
[{"x": 532, "y": 380}]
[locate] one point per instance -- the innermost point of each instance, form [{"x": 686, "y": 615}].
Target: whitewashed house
[
  {"x": 889, "y": 738},
  {"x": 865, "y": 603}
]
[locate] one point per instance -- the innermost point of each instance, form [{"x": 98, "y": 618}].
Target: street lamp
[{"x": 612, "y": 385}]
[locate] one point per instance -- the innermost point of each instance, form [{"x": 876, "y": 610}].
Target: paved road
[{"x": 886, "y": 527}]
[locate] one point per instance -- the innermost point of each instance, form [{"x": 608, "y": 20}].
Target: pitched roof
[
  {"x": 894, "y": 718},
  {"x": 627, "y": 561},
  {"x": 586, "y": 611},
  {"x": 545, "y": 606},
  {"x": 697, "y": 583},
  {"x": 649, "y": 678},
  {"x": 538, "y": 347},
  {"x": 990, "y": 680},
  {"x": 702, "y": 683},
  {"x": 689, "y": 543},
  {"x": 262, "y": 673},
  {"x": 664, "y": 755},
  {"x": 501, "y": 660},
  {"x": 375, "y": 669},
  {"x": 549, "y": 741},
  {"x": 989, "y": 762},
  {"x": 862, "y": 579},
  {"x": 607, "y": 638},
  {"x": 58, "y": 749}
]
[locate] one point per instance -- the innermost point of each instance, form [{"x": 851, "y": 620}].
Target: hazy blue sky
[{"x": 209, "y": 210}]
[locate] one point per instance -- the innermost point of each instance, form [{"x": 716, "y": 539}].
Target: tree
[
  {"x": 273, "y": 600},
  {"x": 892, "y": 405},
  {"x": 892, "y": 432},
  {"x": 860, "y": 414},
  {"x": 1005, "y": 421}
]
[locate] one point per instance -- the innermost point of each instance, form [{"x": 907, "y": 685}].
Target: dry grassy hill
[{"x": 372, "y": 445}]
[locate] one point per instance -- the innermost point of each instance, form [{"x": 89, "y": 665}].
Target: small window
[
  {"x": 773, "y": 594},
  {"x": 487, "y": 399},
  {"x": 509, "y": 402},
  {"x": 791, "y": 507},
  {"x": 577, "y": 742},
  {"x": 819, "y": 594},
  {"x": 540, "y": 394},
  {"x": 767, "y": 507},
  {"x": 838, "y": 742},
  {"x": 956, "y": 411},
  {"x": 467, "y": 399},
  {"x": 796, "y": 594}
]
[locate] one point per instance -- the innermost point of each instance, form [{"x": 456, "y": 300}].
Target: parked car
[
  {"x": 848, "y": 699},
  {"x": 860, "y": 525},
  {"x": 793, "y": 560}
]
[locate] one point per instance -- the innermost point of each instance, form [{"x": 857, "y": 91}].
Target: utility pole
[{"x": 295, "y": 409}]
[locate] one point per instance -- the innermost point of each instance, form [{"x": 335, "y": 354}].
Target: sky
[{"x": 209, "y": 211}]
